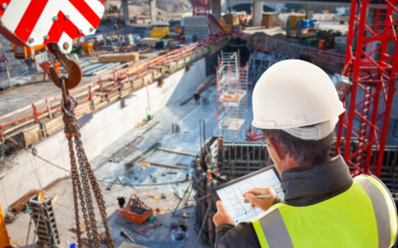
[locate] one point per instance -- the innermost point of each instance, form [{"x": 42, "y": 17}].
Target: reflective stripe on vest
[
  {"x": 272, "y": 231},
  {"x": 381, "y": 211}
]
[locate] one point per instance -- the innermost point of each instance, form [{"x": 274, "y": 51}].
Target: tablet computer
[{"x": 229, "y": 192}]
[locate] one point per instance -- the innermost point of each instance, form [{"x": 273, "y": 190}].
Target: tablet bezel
[{"x": 239, "y": 179}]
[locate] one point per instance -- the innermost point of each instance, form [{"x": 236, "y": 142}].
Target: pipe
[{"x": 201, "y": 228}]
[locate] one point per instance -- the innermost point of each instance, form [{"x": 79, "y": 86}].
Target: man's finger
[
  {"x": 221, "y": 208},
  {"x": 253, "y": 199},
  {"x": 257, "y": 191}
]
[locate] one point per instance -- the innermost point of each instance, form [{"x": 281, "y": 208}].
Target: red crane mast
[
  {"x": 201, "y": 7},
  {"x": 371, "y": 64}
]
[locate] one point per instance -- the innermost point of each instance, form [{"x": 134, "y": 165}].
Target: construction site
[{"x": 118, "y": 118}]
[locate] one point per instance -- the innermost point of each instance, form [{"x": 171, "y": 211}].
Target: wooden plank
[
  {"x": 118, "y": 57},
  {"x": 182, "y": 164},
  {"x": 19, "y": 204},
  {"x": 100, "y": 105},
  {"x": 137, "y": 83},
  {"x": 127, "y": 86},
  {"x": 125, "y": 93},
  {"x": 53, "y": 125},
  {"x": 97, "y": 100},
  {"x": 148, "y": 78},
  {"x": 114, "y": 98},
  {"x": 163, "y": 165},
  {"x": 177, "y": 152},
  {"x": 82, "y": 109},
  {"x": 32, "y": 134}
]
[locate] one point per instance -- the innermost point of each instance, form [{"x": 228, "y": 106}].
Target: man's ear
[{"x": 277, "y": 147}]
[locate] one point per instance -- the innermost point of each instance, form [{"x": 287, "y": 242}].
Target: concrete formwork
[{"x": 107, "y": 125}]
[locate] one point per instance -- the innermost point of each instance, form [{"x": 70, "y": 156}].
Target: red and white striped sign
[{"x": 35, "y": 22}]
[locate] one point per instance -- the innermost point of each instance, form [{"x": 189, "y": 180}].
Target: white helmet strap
[{"x": 316, "y": 132}]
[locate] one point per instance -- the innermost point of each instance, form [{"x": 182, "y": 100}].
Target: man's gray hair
[{"x": 305, "y": 152}]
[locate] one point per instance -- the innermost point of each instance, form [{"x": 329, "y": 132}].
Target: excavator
[{"x": 55, "y": 23}]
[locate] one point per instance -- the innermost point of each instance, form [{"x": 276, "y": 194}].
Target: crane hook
[{"x": 73, "y": 68}]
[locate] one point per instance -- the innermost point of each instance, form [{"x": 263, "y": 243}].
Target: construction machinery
[
  {"x": 4, "y": 238},
  {"x": 136, "y": 210},
  {"x": 26, "y": 52}
]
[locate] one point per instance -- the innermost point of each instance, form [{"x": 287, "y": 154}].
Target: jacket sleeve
[{"x": 242, "y": 235}]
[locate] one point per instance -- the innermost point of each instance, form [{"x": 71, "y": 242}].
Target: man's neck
[
  {"x": 291, "y": 164},
  {"x": 316, "y": 183}
]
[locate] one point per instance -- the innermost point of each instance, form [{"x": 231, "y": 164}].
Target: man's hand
[
  {"x": 263, "y": 204},
  {"x": 222, "y": 216}
]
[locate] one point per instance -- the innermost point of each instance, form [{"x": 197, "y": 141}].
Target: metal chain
[
  {"x": 97, "y": 193},
  {"x": 88, "y": 179},
  {"x": 78, "y": 192},
  {"x": 87, "y": 194}
]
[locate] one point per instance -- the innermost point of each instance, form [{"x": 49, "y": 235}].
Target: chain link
[{"x": 88, "y": 180}]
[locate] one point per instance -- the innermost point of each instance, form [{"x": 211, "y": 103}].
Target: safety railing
[
  {"x": 269, "y": 44},
  {"x": 46, "y": 107}
]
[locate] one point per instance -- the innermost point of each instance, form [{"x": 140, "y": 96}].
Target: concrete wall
[
  {"x": 217, "y": 7},
  {"x": 106, "y": 126},
  {"x": 152, "y": 11},
  {"x": 257, "y": 13}
]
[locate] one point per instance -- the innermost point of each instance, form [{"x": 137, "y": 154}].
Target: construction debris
[
  {"x": 178, "y": 163},
  {"x": 155, "y": 197},
  {"x": 143, "y": 155},
  {"x": 132, "y": 229},
  {"x": 126, "y": 150},
  {"x": 19, "y": 205},
  {"x": 123, "y": 233},
  {"x": 177, "y": 152},
  {"x": 116, "y": 180},
  {"x": 164, "y": 165},
  {"x": 144, "y": 166}
]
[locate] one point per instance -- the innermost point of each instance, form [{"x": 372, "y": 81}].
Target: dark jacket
[{"x": 304, "y": 187}]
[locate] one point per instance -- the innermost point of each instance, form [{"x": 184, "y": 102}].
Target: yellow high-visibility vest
[{"x": 363, "y": 216}]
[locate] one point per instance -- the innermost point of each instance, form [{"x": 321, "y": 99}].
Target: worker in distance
[{"x": 297, "y": 107}]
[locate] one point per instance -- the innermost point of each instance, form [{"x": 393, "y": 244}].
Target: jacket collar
[{"x": 316, "y": 183}]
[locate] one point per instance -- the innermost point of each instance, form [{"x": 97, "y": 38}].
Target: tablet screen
[{"x": 230, "y": 192}]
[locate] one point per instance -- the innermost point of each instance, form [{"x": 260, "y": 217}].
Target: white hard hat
[{"x": 293, "y": 94}]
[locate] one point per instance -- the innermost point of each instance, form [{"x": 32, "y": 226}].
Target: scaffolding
[
  {"x": 232, "y": 96},
  {"x": 260, "y": 61}
]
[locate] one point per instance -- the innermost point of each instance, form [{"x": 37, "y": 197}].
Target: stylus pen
[{"x": 258, "y": 196}]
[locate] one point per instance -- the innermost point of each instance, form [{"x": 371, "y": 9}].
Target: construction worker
[
  {"x": 183, "y": 223},
  {"x": 121, "y": 200},
  {"x": 196, "y": 96},
  {"x": 297, "y": 107}
]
